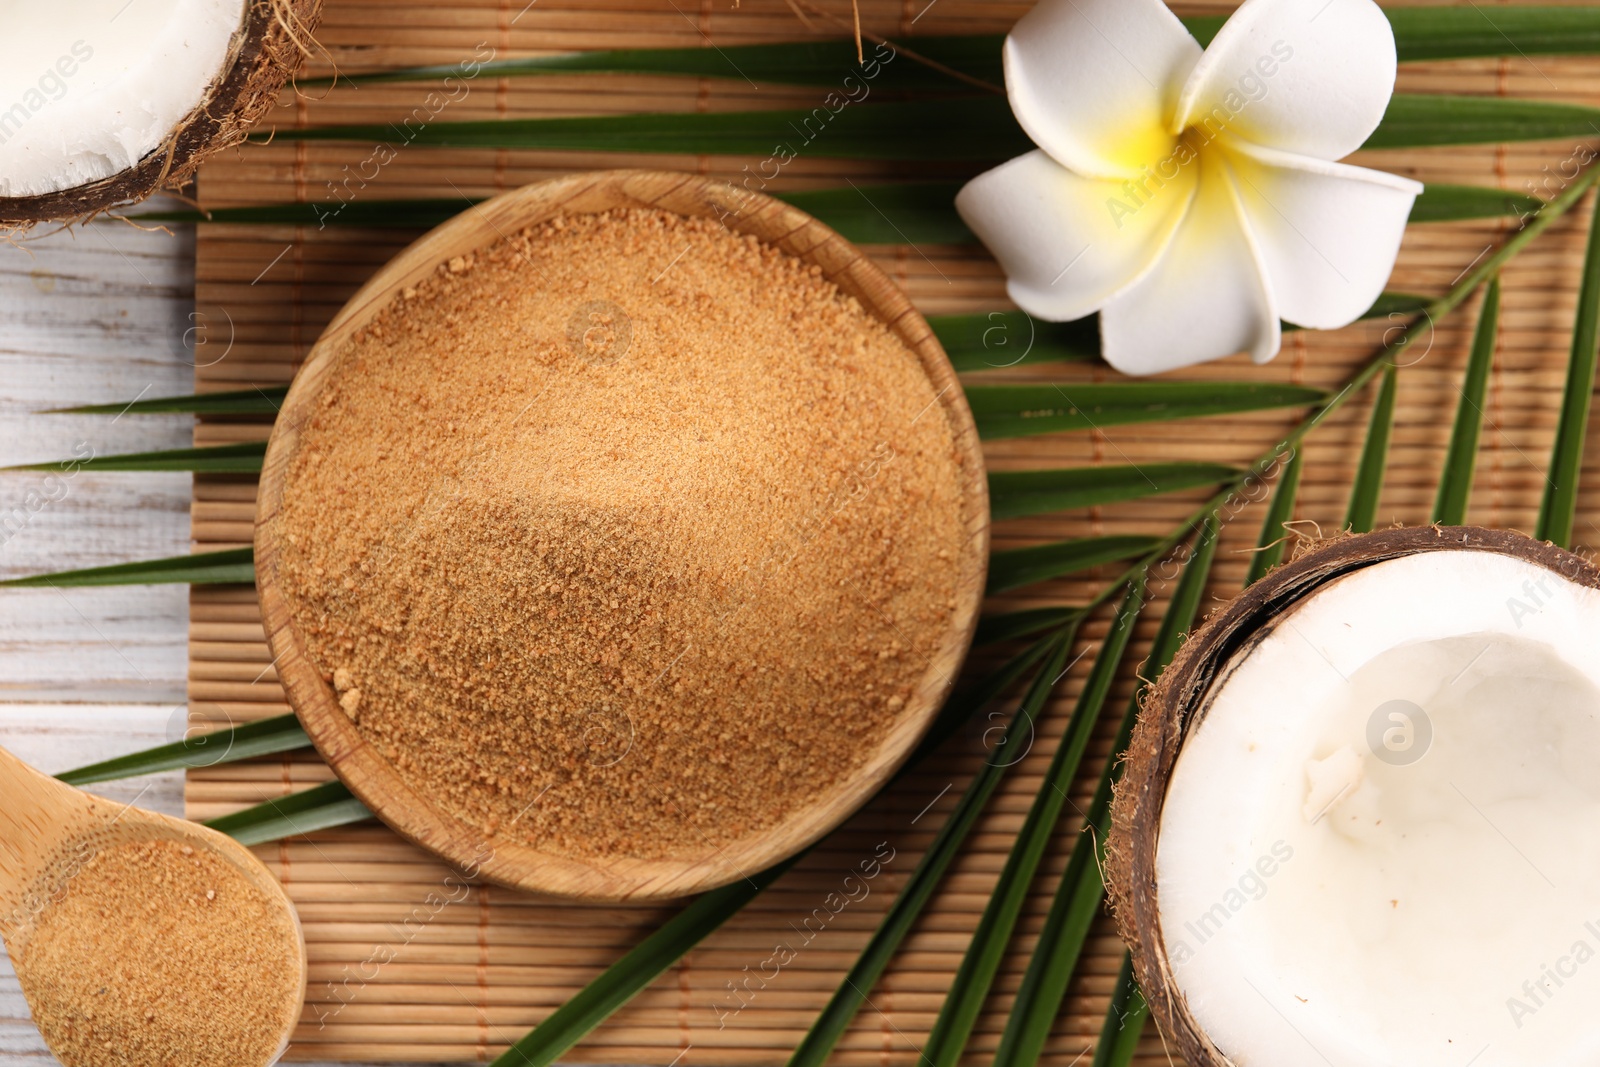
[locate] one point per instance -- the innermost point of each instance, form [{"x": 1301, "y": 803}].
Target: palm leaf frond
[
  {"x": 1368, "y": 486},
  {"x": 1014, "y": 494},
  {"x": 234, "y": 565},
  {"x": 1025, "y": 566},
  {"x": 1430, "y": 120},
  {"x": 219, "y": 459},
  {"x": 1023, "y": 410},
  {"x": 1080, "y": 892},
  {"x": 263, "y": 401},
  {"x": 1455, "y": 479},
  {"x": 990, "y": 941},
  {"x": 1275, "y": 527},
  {"x": 1125, "y": 1019},
  {"x": 322, "y": 807},
  {"x": 993, "y": 629},
  {"x": 1454, "y": 203},
  {"x": 997, "y": 339},
  {"x": 267, "y": 737},
  {"x": 1560, "y": 504},
  {"x": 1420, "y": 33},
  {"x": 979, "y": 129}
]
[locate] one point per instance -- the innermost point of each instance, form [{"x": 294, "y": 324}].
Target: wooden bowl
[{"x": 370, "y": 775}]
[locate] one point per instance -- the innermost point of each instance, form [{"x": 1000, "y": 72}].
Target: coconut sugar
[
  {"x": 627, "y": 535},
  {"x": 155, "y": 953}
]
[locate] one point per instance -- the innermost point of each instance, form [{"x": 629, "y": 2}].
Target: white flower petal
[
  {"x": 1069, "y": 243},
  {"x": 1205, "y": 298},
  {"x": 1093, "y": 81},
  {"x": 1306, "y": 76},
  {"x": 1328, "y": 233}
]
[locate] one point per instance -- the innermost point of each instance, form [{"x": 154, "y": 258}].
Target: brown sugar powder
[
  {"x": 154, "y": 954},
  {"x": 626, "y": 535}
]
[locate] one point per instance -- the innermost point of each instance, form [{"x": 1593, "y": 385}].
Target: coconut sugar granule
[
  {"x": 155, "y": 954},
  {"x": 626, "y": 535}
]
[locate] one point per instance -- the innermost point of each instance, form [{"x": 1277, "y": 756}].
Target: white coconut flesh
[
  {"x": 88, "y": 88},
  {"x": 1338, "y": 888}
]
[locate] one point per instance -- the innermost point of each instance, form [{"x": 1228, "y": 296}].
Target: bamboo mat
[{"x": 401, "y": 974}]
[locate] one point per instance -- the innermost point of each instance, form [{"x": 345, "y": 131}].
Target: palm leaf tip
[
  {"x": 230, "y": 566},
  {"x": 267, "y": 737},
  {"x": 243, "y": 458},
  {"x": 266, "y": 400}
]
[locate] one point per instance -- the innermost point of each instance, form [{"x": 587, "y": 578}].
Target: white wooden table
[{"x": 97, "y": 315}]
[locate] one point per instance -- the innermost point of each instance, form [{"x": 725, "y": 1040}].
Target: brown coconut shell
[
  {"x": 1180, "y": 701},
  {"x": 264, "y": 53}
]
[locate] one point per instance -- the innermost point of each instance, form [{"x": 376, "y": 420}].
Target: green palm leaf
[
  {"x": 979, "y": 129},
  {"x": 1125, "y": 1019},
  {"x": 201, "y": 568},
  {"x": 994, "y": 339},
  {"x": 821, "y": 63},
  {"x": 1426, "y": 33},
  {"x": 963, "y": 129},
  {"x": 1363, "y": 510},
  {"x": 1025, "y": 566},
  {"x": 1078, "y": 897},
  {"x": 1432, "y": 119},
  {"x": 267, "y": 737},
  {"x": 1274, "y": 529},
  {"x": 322, "y": 807},
  {"x": 1452, "y": 203},
  {"x": 1022, "y": 410},
  {"x": 993, "y": 629},
  {"x": 1560, "y": 503},
  {"x": 263, "y": 401},
  {"x": 220, "y": 459},
  {"x": 1013, "y": 494},
  {"x": 915, "y": 213},
  {"x": 1455, "y": 480},
  {"x": 992, "y": 938},
  {"x": 902, "y": 213}
]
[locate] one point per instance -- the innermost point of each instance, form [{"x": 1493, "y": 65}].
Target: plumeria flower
[{"x": 1191, "y": 196}]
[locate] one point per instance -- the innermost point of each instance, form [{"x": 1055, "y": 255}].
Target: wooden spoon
[{"x": 49, "y": 831}]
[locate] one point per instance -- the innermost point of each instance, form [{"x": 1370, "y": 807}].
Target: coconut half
[
  {"x": 1360, "y": 820},
  {"x": 106, "y": 101}
]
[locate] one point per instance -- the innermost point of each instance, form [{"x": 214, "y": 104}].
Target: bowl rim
[{"x": 378, "y": 783}]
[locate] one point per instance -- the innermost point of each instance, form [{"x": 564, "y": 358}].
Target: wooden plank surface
[
  {"x": 98, "y": 315},
  {"x": 90, "y": 316}
]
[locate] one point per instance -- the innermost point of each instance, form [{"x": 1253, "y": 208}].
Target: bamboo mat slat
[{"x": 408, "y": 968}]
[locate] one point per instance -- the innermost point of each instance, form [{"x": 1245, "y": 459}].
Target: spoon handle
[{"x": 36, "y": 812}]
